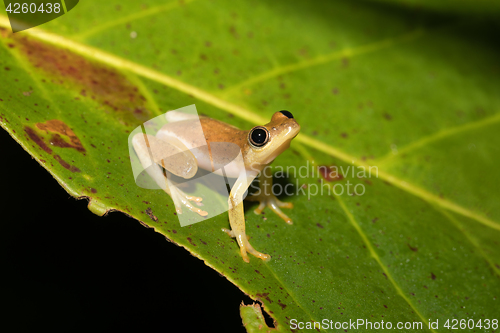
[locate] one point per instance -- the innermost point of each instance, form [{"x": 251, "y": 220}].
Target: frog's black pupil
[
  {"x": 286, "y": 113},
  {"x": 259, "y": 137}
]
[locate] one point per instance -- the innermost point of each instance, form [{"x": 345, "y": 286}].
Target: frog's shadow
[{"x": 283, "y": 189}]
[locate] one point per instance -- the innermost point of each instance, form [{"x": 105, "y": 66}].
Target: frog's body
[{"x": 258, "y": 147}]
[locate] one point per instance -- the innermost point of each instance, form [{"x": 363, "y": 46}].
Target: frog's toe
[
  {"x": 261, "y": 207},
  {"x": 244, "y": 255},
  {"x": 230, "y": 233},
  {"x": 260, "y": 255},
  {"x": 284, "y": 204},
  {"x": 283, "y": 216},
  {"x": 193, "y": 198},
  {"x": 245, "y": 246},
  {"x": 273, "y": 203},
  {"x": 249, "y": 248},
  {"x": 182, "y": 199}
]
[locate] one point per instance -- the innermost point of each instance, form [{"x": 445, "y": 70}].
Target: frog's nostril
[{"x": 286, "y": 113}]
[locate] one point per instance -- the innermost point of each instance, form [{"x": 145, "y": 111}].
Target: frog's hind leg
[
  {"x": 266, "y": 198},
  {"x": 142, "y": 145}
]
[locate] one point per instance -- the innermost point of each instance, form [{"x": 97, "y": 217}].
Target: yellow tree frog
[{"x": 259, "y": 147}]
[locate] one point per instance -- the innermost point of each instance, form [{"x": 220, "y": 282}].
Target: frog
[{"x": 258, "y": 146}]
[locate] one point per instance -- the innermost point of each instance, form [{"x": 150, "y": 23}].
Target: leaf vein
[
  {"x": 130, "y": 18},
  {"x": 422, "y": 142},
  {"x": 323, "y": 59},
  {"x": 374, "y": 254},
  {"x": 458, "y": 225}
]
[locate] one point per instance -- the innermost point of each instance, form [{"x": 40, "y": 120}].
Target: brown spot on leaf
[
  {"x": 65, "y": 164},
  {"x": 233, "y": 32},
  {"x": 33, "y": 136},
  {"x": 151, "y": 215},
  {"x": 59, "y": 127},
  {"x": 93, "y": 190},
  {"x": 433, "y": 276},
  {"x": 56, "y": 141},
  {"x": 329, "y": 173},
  {"x": 265, "y": 295},
  {"x": 191, "y": 241},
  {"x": 258, "y": 272},
  {"x": 108, "y": 87},
  {"x": 414, "y": 249}
]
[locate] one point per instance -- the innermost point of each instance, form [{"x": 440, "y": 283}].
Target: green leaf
[
  {"x": 410, "y": 90},
  {"x": 253, "y": 319}
]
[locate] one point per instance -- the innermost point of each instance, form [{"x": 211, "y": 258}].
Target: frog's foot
[
  {"x": 182, "y": 199},
  {"x": 273, "y": 203},
  {"x": 245, "y": 246}
]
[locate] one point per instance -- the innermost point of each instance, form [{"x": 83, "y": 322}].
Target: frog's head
[{"x": 268, "y": 141}]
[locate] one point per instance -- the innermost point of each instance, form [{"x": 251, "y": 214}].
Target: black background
[{"x": 64, "y": 268}]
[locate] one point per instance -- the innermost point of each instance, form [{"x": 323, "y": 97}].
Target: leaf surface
[{"x": 409, "y": 91}]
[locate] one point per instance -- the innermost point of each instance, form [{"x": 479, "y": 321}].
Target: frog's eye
[
  {"x": 287, "y": 114},
  {"x": 258, "y": 136}
]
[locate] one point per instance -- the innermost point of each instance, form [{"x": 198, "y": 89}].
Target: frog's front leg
[
  {"x": 267, "y": 198},
  {"x": 148, "y": 149},
  {"x": 237, "y": 219}
]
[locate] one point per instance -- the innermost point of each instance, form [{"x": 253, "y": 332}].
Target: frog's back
[
  {"x": 225, "y": 141},
  {"x": 217, "y": 131}
]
